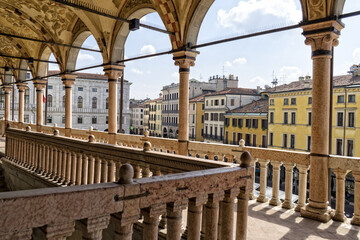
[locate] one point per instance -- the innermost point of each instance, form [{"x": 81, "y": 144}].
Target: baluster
[
  {"x": 137, "y": 171},
  {"x": 263, "y": 177},
  {"x": 73, "y": 168},
  {"x": 157, "y": 172},
  {"x": 48, "y": 156},
  {"x": 58, "y": 169},
  {"x": 79, "y": 170},
  {"x": 195, "y": 208},
  {"x": 147, "y": 172},
  {"x": 53, "y": 167},
  {"x": 174, "y": 219},
  {"x": 85, "y": 169},
  {"x": 38, "y": 157},
  {"x": 104, "y": 171},
  {"x": 275, "y": 201},
  {"x": 151, "y": 221},
  {"x": 212, "y": 215},
  {"x": 97, "y": 170},
  {"x": 92, "y": 227},
  {"x": 340, "y": 195},
  {"x": 242, "y": 214},
  {"x": 91, "y": 169},
  {"x": 64, "y": 162},
  {"x": 68, "y": 168},
  {"x": 111, "y": 171},
  {"x": 287, "y": 204},
  {"x": 43, "y": 159},
  {"x": 356, "y": 218},
  {"x": 302, "y": 186},
  {"x": 227, "y": 216},
  {"x": 58, "y": 231}
]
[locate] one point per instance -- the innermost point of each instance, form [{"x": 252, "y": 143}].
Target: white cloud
[
  {"x": 258, "y": 80},
  {"x": 356, "y": 55},
  {"x": 240, "y": 61},
  {"x": 85, "y": 57},
  {"x": 289, "y": 73},
  {"x": 175, "y": 75},
  {"x": 147, "y": 49},
  {"x": 261, "y": 12},
  {"x": 228, "y": 64},
  {"x": 137, "y": 71}
]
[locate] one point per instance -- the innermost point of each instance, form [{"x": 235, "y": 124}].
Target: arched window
[
  {"x": 80, "y": 102},
  {"x": 94, "y": 102},
  {"x": 107, "y": 103},
  {"x": 63, "y": 101},
  {"x": 49, "y": 100}
]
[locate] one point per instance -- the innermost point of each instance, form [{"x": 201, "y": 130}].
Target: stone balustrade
[{"x": 52, "y": 212}]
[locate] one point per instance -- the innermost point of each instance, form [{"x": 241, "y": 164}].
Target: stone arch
[
  {"x": 117, "y": 53},
  {"x": 22, "y": 73},
  {"x": 74, "y": 52},
  {"x": 197, "y": 18},
  {"x": 42, "y": 67},
  {"x": 313, "y": 10}
]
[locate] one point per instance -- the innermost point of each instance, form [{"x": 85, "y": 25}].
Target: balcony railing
[{"x": 214, "y": 137}]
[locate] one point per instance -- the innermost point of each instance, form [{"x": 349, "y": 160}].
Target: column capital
[
  {"x": 276, "y": 164},
  {"x": 68, "y": 79},
  {"x": 185, "y": 59},
  {"x": 21, "y": 86},
  {"x": 39, "y": 84},
  {"x": 340, "y": 173},
  {"x": 322, "y": 37},
  {"x": 289, "y": 166},
  {"x": 302, "y": 168},
  {"x": 263, "y": 162},
  {"x": 114, "y": 71},
  {"x": 7, "y": 88}
]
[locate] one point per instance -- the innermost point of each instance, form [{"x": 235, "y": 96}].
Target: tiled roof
[
  {"x": 86, "y": 75},
  {"x": 339, "y": 81},
  {"x": 242, "y": 91},
  {"x": 199, "y": 98},
  {"x": 133, "y": 105},
  {"x": 259, "y": 106}
]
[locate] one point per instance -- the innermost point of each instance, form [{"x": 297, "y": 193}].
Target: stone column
[
  {"x": 97, "y": 177},
  {"x": 242, "y": 214},
  {"x": 302, "y": 186},
  {"x": 79, "y": 170},
  {"x": 151, "y": 221},
  {"x": 91, "y": 170},
  {"x": 275, "y": 201},
  {"x": 195, "y": 208},
  {"x": 289, "y": 167},
  {"x": 322, "y": 37},
  {"x": 227, "y": 218},
  {"x": 7, "y": 90},
  {"x": 39, "y": 84},
  {"x": 174, "y": 220},
  {"x": 58, "y": 231},
  {"x": 356, "y": 218},
  {"x": 263, "y": 180},
  {"x": 212, "y": 215},
  {"x": 92, "y": 227},
  {"x": 184, "y": 59},
  {"x": 21, "y": 90},
  {"x": 68, "y": 80},
  {"x": 340, "y": 195},
  {"x": 113, "y": 73},
  {"x": 124, "y": 225}
]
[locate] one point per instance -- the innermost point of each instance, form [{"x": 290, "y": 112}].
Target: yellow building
[
  {"x": 249, "y": 123},
  {"x": 290, "y": 115},
  {"x": 196, "y": 118}
]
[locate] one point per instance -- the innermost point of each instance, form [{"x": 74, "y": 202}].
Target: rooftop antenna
[
  {"x": 275, "y": 81},
  {"x": 223, "y": 69}
]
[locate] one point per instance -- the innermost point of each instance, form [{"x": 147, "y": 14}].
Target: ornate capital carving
[
  {"x": 185, "y": 59},
  {"x": 68, "y": 79},
  {"x": 7, "y": 89},
  {"x": 21, "y": 86},
  {"x": 114, "y": 72},
  {"x": 39, "y": 84}
]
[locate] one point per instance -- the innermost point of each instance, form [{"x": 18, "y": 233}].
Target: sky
[{"x": 256, "y": 61}]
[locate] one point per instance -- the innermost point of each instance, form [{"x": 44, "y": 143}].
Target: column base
[
  {"x": 262, "y": 199},
  {"x": 318, "y": 214},
  {"x": 287, "y": 205},
  {"x": 299, "y": 207},
  {"x": 340, "y": 217},
  {"x": 67, "y": 132},
  {"x": 355, "y": 220},
  {"x": 274, "y": 202}
]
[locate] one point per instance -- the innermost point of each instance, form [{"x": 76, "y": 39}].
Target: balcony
[{"x": 213, "y": 137}]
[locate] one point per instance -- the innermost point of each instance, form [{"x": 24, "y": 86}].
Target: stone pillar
[
  {"x": 21, "y": 90},
  {"x": 151, "y": 221},
  {"x": 212, "y": 215},
  {"x": 97, "y": 177},
  {"x": 58, "y": 231},
  {"x": 91, "y": 169},
  {"x": 302, "y": 186},
  {"x": 289, "y": 167},
  {"x": 195, "y": 208},
  {"x": 263, "y": 180},
  {"x": 7, "y": 90},
  {"x": 39, "y": 84},
  {"x": 356, "y": 218},
  {"x": 275, "y": 201},
  {"x": 124, "y": 226},
  {"x": 184, "y": 59},
  {"x": 79, "y": 170},
  {"x": 92, "y": 227},
  {"x": 227, "y": 218},
  {"x": 68, "y": 80},
  {"x": 113, "y": 73},
  {"x": 340, "y": 195},
  {"x": 174, "y": 220},
  {"x": 17, "y": 235},
  {"x": 242, "y": 215},
  {"x": 322, "y": 37}
]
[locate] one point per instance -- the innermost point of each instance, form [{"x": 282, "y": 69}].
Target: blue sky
[{"x": 255, "y": 61}]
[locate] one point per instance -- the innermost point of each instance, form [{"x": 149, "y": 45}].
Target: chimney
[
  {"x": 307, "y": 77},
  {"x": 301, "y": 78},
  {"x": 258, "y": 89}
]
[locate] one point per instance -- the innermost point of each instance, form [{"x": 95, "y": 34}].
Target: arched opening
[{"x": 49, "y": 100}]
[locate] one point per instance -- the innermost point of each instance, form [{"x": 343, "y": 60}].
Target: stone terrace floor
[{"x": 271, "y": 223}]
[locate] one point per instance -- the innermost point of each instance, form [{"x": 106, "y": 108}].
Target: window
[
  {"x": 221, "y": 117},
  {"x": 63, "y": 101},
  {"x": 286, "y": 116},
  {"x": 232, "y": 102},
  {"x": 80, "y": 102},
  {"x": 49, "y": 119},
  {"x": 284, "y": 140},
  {"x": 222, "y": 102},
  {"x": 292, "y": 141},
  {"x": 271, "y": 139},
  {"x": 338, "y": 147},
  {"x": 234, "y": 122},
  {"x": 63, "y": 119},
  {"x": 94, "y": 89},
  {"x": 286, "y": 101},
  {"x": 351, "y": 120},
  {"x": 207, "y": 102},
  {"x": 107, "y": 103},
  {"x": 340, "y": 99},
  {"x": 227, "y": 122},
  {"x": 254, "y": 140},
  {"x": 350, "y": 148},
  {"x": 216, "y": 117},
  {"x": 211, "y": 116},
  {"x": 271, "y": 117},
  {"x": 50, "y": 87},
  {"x": 264, "y": 124},
  {"x": 310, "y": 100},
  {"x": 206, "y": 116},
  {"x": 80, "y": 89},
  {"x": 216, "y": 102},
  {"x": 271, "y": 102},
  {"x": 94, "y": 120},
  {"x": 255, "y": 123},
  {"x": 94, "y": 103},
  {"x": 63, "y": 88},
  {"x": 49, "y": 100},
  {"x": 80, "y": 120},
  {"x": 27, "y": 96},
  {"x": 107, "y": 120},
  {"x": 202, "y": 119},
  {"x": 351, "y": 98},
  {"x": 240, "y": 122},
  {"x": 107, "y": 90},
  {"x": 248, "y": 123},
  {"x": 26, "y": 118},
  {"x": 293, "y": 101},
  {"x": 293, "y": 118},
  {"x": 193, "y": 106},
  {"x": 212, "y": 103},
  {"x": 309, "y": 118},
  {"x": 340, "y": 117},
  {"x": 202, "y": 106},
  {"x": 308, "y": 143}
]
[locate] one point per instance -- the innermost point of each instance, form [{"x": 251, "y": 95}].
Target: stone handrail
[{"x": 55, "y": 210}]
